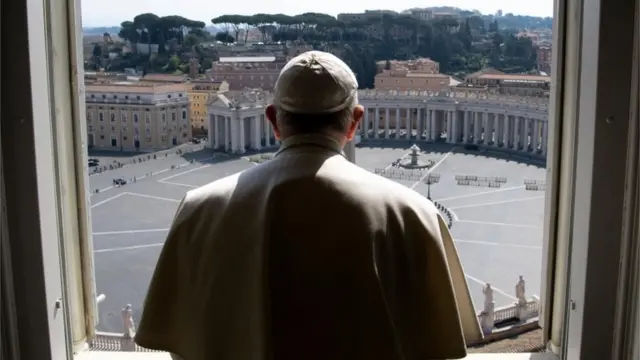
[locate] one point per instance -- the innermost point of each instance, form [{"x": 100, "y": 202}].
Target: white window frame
[{"x": 575, "y": 223}]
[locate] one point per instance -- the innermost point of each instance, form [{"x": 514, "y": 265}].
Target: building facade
[
  {"x": 259, "y": 72},
  {"x": 496, "y": 121},
  {"x": 199, "y": 92},
  {"x": 420, "y": 75},
  {"x": 137, "y": 117},
  {"x": 544, "y": 58},
  {"x": 510, "y": 84}
]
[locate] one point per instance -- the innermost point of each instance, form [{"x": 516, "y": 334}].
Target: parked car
[
  {"x": 119, "y": 181},
  {"x": 93, "y": 162}
]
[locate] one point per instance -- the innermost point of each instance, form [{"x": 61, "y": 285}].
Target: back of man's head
[{"x": 316, "y": 92}]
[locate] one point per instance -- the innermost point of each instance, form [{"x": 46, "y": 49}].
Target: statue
[
  {"x": 127, "y": 319},
  {"x": 488, "y": 297},
  {"x": 520, "y": 295}
]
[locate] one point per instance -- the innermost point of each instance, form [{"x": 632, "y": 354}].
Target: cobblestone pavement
[{"x": 526, "y": 342}]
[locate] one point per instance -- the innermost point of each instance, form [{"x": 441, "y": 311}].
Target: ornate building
[
  {"x": 137, "y": 116},
  {"x": 499, "y": 121}
]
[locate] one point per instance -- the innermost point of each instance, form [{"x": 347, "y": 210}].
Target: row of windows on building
[
  {"x": 220, "y": 77},
  {"x": 126, "y": 97},
  {"x": 124, "y": 117},
  {"x": 136, "y": 130}
]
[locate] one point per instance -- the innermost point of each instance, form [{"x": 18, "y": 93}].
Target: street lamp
[{"x": 430, "y": 179}]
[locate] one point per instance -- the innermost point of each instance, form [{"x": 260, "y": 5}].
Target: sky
[{"x": 113, "y": 12}]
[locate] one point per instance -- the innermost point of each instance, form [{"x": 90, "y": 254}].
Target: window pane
[{"x": 456, "y": 108}]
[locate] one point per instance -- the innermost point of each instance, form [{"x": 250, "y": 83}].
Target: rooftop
[
  {"x": 241, "y": 59},
  {"x": 517, "y": 77},
  {"x": 165, "y": 77}
]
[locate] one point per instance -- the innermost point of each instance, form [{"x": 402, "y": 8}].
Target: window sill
[{"x": 118, "y": 355}]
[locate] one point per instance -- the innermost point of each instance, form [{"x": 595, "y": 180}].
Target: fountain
[{"x": 414, "y": 162}]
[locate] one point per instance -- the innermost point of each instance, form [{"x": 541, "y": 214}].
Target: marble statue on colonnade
[
  {"x": 487, "y": 314},
  {"x": 520, "y": 290},
  {"x": 127, "y": 319},
  {"x": 488, "y": 297}
]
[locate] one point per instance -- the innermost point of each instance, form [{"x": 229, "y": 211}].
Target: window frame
[
  {"x": 71, "y": 273},
  {"x": 597, "y": 226}
]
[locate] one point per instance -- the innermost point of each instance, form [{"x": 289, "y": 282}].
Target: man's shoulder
[
  {"x": 380, "y": 189},
  {"x": 219, "y": 188}
]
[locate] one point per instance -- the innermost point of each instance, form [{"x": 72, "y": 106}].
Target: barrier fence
[{"x": 535, "y": 185}]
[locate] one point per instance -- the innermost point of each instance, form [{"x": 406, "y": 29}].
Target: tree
[
  {"x": 361, "y": 43},
  {"x": 225, "y": 37}
]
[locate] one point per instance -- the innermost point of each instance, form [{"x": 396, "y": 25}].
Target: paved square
[{"x": 498, "y": 231}]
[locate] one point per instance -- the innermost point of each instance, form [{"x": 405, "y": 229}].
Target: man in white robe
[{"x": 308, "y": 256}]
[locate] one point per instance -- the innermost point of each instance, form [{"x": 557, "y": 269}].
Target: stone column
[
  {"x": 376, "y": 124},
  {"x": 214, "y": 140},
  {"x": 487, "y": 132},
  {"x": 386, "y": 123},
  {"x": 227, "y": 133},
  {"x": 255, "y": 132},
  {"x": 365, "y": 128},
  {"x": 527, "y": 131},
  {"x": 477, "y": 127},
  {"x": 467, "y": 126},
  {"x": 451, "y": 136},
  {"x": 507, "y": 131},
  {"x": 535, "y": 138},
  {"x": 397, "y": 123},
  {"x": 520, "y": 131},
  {"x": 456, "y": 127},
  {"x": 438, "y": 122},
  {"x": 515, "y": 131},
  {"x": 407, "y": 122},
  {"x": 432, "y": 123},
  {"x": 419, "y": 123},
  {"x": 242, "y": 143},
  {"x": 499, "y": 118},
  {"x": 233, "y": 134}
]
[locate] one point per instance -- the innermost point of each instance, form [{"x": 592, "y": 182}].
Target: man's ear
[
  {"x": 270, "y": 113},
  {"x": 358, "y": 114}
]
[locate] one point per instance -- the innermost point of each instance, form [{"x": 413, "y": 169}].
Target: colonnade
[
  {"x": 237, "y": 132},
  {"x": 501, "y": 129},
  {"x": 517, "y": 123}
]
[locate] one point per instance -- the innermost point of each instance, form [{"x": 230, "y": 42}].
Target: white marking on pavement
[
  {"x": 178, "y": 184},
  {"x": 498, "y": 244},
  {"x": 153, "y": 197},
  {"x": 496, "y": 203},
  {"x": 106, "y": 200},
  {"x": 184, "y": 172},
  {"x": 480, "y": 193},
  {"x": 161, "y": 171},
  {"x": 498, "y": 224},
  {"x": 128, "y": 248},
  {"x": 483, "y": 283},
  {"x": 430, "y": 170},
  {"x": 129, "y": 232}
]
